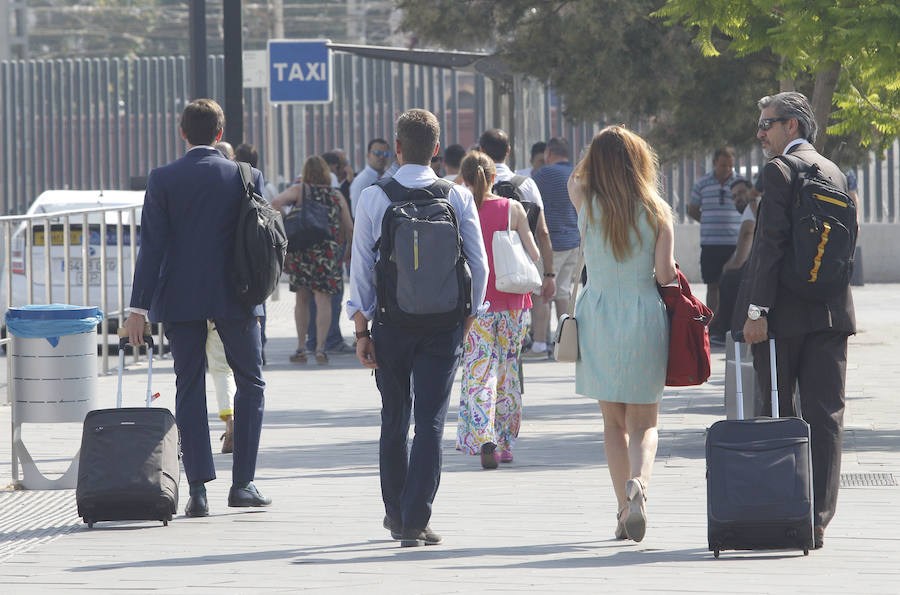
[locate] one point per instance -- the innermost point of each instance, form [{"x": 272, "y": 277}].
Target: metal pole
[
  {"x": 234, "y": 72},
  {"x": 197, "y": 28}
]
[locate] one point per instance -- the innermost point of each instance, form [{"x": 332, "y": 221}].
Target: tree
[
  {"x": 612, "y": 62},
  {"x": 848, "y": 49}
]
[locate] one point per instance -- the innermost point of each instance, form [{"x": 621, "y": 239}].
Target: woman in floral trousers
[{"x": 490, "y": 408}]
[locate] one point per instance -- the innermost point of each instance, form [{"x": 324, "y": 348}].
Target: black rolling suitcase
[
  {"x": 759, "y": 479},
  {"x": 128, "y": 469}
]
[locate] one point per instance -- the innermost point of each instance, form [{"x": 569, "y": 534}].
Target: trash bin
[{"x": 52, "y": 377}]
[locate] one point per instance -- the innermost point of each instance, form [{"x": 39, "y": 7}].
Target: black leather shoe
[
  {"x": 417, "y": 537},
  {"x": 393, "y": 526},
  {"x": 248, "y": 496},
  {"x": 197, "y": 506}
]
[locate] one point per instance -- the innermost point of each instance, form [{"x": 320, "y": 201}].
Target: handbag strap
[
  {"x": 508, "y": 215},
  {"x": 576, "y": 276}
]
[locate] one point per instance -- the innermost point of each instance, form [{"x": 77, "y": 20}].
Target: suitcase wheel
[
  {"x": 806, "y": 551},
  {"x": 716, "y": 554},
  {"x": 165, "y": 522},
  {"x": 90, "y": 524}
]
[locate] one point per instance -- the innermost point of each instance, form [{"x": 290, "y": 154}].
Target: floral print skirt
[
  {"x": 319, "y": 268},
  {"x": 490, "y": 407}
]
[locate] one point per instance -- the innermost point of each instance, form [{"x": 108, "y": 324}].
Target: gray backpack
[{"x": 422, "y": 279}]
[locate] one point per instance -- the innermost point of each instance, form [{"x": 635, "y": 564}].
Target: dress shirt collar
[
  {"x": 413, "y": 175},
  {"x": 794, "y": 143},
  {"x": 207, "y": 147},
  {"x": 369, "y": 170},
  {"x": 503, "y": 170}
]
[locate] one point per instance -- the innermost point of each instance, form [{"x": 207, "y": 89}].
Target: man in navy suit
[{"x": 183, "y": 278}]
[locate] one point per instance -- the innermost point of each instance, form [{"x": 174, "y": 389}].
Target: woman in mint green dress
[{"x": 623, "y": 332}]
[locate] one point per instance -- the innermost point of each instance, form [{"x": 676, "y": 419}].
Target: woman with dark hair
[
  {"x": 623, "y": 332},
  {"x": 317, "y": 270},
  {"x": 490, "y": 408}
]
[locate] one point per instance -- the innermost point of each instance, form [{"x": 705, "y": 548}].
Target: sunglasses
[
  {"x": 766, "y": 123},
  {"x": 378, "y": 153}
]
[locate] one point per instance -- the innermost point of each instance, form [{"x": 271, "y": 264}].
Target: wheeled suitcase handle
[
  {"x": 123, "y": 341},
  {"x": 739, "y": 381}
]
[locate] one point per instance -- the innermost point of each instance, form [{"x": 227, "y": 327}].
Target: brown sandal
[
  {"x": 299, "y": 357},
  {"x": 321, "y": 358}
]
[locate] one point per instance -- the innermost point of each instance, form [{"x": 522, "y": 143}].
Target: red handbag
[{"x": 689, "y": 358}]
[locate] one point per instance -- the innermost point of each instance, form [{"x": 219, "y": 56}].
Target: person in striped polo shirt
[{"x": 712, "y": 205}]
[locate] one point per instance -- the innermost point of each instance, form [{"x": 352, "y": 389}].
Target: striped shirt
[
  {"x": 562, "y": 219},
  {"x": 720, "y": 221}
]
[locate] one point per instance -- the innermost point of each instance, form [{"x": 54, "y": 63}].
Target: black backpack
[
  {"x": 422, "y": 279},
  {"x": 260, "y": 244},
  {"x": 511, "y": 188},
  {"x": 819, "y": 262}
]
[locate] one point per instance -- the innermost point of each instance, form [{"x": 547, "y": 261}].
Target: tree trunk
[{"x": 823, "y": 98}]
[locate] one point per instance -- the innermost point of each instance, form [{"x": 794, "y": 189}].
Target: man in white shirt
[
  {"x": 453, "y": 156},
  {"x": 401, "y": 355},
  {"x": 537, "y": 160},
  {"x": 377, "y": 155}
]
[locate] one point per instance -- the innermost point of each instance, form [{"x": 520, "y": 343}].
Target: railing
[{"x": 22, "y": 242}]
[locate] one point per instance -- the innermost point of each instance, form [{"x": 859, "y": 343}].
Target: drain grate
[{"x": 867, "y": 480}]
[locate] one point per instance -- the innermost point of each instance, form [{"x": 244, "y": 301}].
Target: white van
[{"x": 53, "y": 201}]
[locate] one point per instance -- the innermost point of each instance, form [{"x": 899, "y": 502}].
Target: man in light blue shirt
[
  {"x": 409, "y": 480},
  {"x": 377, "y": 156}
]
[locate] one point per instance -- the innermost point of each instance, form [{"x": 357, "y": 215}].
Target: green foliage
[
  {"x": 862, "y": 36},
  {"x": 611, "y": 62}
]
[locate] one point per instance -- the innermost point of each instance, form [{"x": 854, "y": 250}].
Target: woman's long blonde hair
[
  {"x": 476, "y": 170},
  {"x": 618, "y": 173}
]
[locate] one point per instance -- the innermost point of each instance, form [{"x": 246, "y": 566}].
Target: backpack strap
[
  {"x": 441, "y": 188},
  {"x": 394, "y": 190},
  {"x": 517, "y": 180},
  {"x": 246, "y": 177},
  {"x": 797, "y": 167}
]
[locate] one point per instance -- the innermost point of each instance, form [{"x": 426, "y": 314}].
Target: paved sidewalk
[{"x": 543, "y": 524}]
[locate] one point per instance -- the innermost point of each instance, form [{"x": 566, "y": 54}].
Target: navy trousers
[
  {"x": 241, "y": 339},
  {"x": 410, "y": 479}
]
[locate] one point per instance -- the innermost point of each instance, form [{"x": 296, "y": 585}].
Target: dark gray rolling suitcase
[
  {"x": 759, "y": 479},
  {"x": 128, "y": 469}
]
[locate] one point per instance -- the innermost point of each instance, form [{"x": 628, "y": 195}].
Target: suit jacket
[
  {"x": 188, "y": 223},
  {"x": 789, "y": 314}
]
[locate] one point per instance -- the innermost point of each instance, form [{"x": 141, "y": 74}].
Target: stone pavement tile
[{"x": 543, "y": 524}]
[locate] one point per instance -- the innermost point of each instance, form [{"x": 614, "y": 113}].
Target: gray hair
[{"x": 791, "y": 104}]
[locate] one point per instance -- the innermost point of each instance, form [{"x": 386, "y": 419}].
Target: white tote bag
[{"x": 514, "y": 270}]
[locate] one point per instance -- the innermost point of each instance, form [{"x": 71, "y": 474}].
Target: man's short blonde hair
[{"x": 418, "y": 132}]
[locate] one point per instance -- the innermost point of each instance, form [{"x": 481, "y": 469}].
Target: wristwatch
[
  {"x": 549, "y": 275},
  {"x": 363, "y": 334},
  {"x": 755, "y": 312}
]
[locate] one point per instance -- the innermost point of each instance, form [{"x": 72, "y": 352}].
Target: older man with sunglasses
[
  {"x": 378, "y": 155},
  {"x": 720, "y": 222},
  {"x": 811, "y": 346}
]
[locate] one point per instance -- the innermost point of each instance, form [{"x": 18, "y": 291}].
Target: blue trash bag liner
[{"x": 52, "y": 321}]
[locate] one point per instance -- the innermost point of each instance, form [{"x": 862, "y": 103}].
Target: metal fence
[
  {"x": 97, "y": 123},
  {"x": 79, "y": 256}
]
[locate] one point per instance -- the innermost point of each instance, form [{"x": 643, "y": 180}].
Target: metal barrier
[{"x": 25, "y": 236}]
